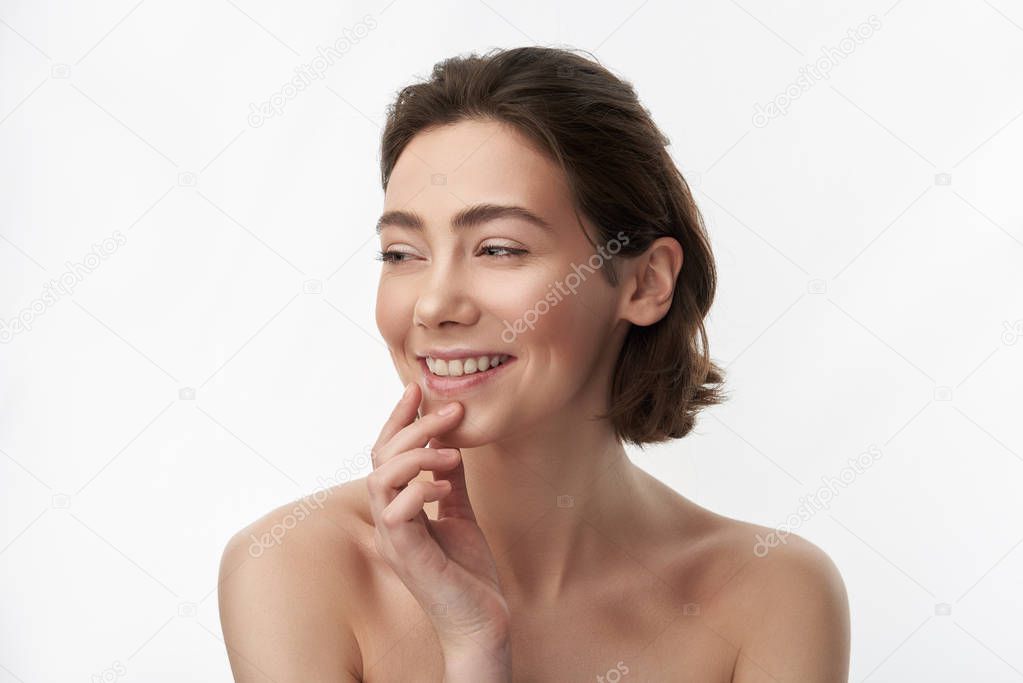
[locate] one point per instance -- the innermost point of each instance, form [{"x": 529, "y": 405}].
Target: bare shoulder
[
  {"x": 778, "y": 603},
  {"x": 289, "y": 586},
  {"x": 789, "y": 602}
]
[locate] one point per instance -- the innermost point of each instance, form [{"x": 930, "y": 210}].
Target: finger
[
  {"x": 419, "y": 433},
  {"x": 385, "y": 482},
  {"x": 403, "y": 531},
  {"x": 409, "y": 502},
  {"x": 397, "y": 472},
  {"x": 404, "y": 413},
  {"x": 456, "y": 504}
]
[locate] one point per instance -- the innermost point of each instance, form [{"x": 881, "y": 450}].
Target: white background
[{"x": 870, "y": 244}]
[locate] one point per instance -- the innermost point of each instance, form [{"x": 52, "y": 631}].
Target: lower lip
[{"x": 449, "y": 385}]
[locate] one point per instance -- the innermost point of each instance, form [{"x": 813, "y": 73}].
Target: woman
[{"x": 544, "y": 282}]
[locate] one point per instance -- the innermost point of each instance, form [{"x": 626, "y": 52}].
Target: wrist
[{"x": 478, "y": 663}]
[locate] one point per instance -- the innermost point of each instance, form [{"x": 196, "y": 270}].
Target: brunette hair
[{"x": 622, "y": 178}]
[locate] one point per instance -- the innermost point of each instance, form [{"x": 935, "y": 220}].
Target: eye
[
  {"x": 509, "y": 251},
  {"x": 397, "y": 257},
  {"x": 391, "y": 256}
]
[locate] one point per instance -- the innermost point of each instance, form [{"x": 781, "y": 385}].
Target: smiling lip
[
  {"x": 461, "y": 352},
  {"x": 450, "y": 385}
]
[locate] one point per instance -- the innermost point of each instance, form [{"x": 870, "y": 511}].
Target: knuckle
[
  {"x": 377, "y": 455},
  {"x": 390, "y": 518}
]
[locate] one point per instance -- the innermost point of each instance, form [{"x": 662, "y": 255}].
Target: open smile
[{"x": 451, "y": 384}]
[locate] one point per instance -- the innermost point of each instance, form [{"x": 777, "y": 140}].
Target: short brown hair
[{"x": 622, "y": 177}]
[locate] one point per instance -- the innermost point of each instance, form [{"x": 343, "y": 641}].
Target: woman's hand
[{"x": 445, "y": 563}]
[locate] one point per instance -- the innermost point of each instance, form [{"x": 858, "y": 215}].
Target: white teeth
[{"x": 457, "y": 367}]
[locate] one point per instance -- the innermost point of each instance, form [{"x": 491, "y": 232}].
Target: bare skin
[
  {"x": 683, "y": 600},
  {"x": 606, "y": 573}
]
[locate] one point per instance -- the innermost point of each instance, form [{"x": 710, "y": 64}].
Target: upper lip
[{"x": 448, "y": 354}]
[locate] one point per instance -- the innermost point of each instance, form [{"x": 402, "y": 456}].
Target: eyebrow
[{"x": 469, "y": 217}]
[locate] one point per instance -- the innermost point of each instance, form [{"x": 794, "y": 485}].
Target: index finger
[{"x": 404, "y": 413}]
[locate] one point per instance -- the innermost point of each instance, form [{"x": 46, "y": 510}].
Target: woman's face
[{"x": 501, "y": 284}]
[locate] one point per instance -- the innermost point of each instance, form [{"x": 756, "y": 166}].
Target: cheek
[
  {"x": 519, "y": 308},
  {"x": 575, "y": 330},
  {"x": 391, "y": 314},
  {"x": 554, "y": 316}
]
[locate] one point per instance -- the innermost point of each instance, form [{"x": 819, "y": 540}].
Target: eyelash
[{"x": 391, "y": 256}]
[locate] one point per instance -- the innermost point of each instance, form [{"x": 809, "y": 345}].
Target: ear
[{"x": 649, "y": 283}]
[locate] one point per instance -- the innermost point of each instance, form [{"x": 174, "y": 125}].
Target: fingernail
[
  {"x": 447, "y": 452},
  {"x": 448, "y": 409},
  {"x": 408, "y": 391}
]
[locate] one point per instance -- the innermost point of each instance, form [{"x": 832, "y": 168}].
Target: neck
[
  {"x": 558, "y": 500},
  {"x": 549, "y": 501}
]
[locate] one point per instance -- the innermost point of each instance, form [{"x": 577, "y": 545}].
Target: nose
[{"x": 444, "y": 298}]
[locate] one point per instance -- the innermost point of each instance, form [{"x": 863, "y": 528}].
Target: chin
[{"x": 474, "y": 430}]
